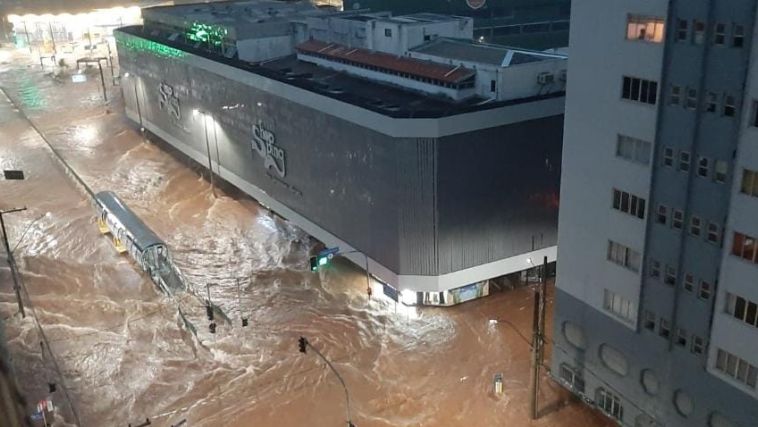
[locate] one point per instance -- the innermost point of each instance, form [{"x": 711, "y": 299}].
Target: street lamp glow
[
  {"x": 195, "y": 111},
  {"x": 408, "y": 297}
]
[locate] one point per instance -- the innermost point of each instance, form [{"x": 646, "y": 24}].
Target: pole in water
[
  {"x": 535, "y": 366},
  {"x": 102, "y": 80}
]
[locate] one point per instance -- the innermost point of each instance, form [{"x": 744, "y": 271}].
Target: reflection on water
[{"x": 125, "y": 353}]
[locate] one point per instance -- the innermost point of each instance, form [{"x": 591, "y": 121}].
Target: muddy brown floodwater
[{"x": 123, "y": 353}]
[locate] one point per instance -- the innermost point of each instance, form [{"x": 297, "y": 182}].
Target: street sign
[
  {"x": 13, "y": 174},
  {"x": 390, "y": 292},
  {"x": 329, "y": 252}
]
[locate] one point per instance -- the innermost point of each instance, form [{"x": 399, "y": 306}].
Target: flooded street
[{"x": 125, "y": 355}]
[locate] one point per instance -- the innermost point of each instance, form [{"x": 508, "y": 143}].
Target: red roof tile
[{"x": 400, "y": 64}]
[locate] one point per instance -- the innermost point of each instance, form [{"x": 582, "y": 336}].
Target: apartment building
[{"x": 657, "y": 301}]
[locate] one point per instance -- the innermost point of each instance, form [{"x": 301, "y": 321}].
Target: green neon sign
[
  {"x": 148, "y": 46},
  {"x": 212, "y": 34}
]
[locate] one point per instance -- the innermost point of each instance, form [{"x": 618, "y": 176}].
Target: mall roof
[{"x": 401, "y": 64}]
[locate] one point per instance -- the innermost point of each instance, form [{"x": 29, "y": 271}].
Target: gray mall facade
[{"x": 436, "y": 202}]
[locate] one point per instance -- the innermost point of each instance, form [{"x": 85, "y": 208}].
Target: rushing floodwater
[{"x": 124, "y": 353}]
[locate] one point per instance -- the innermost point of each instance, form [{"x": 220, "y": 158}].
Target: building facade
[
  {"x": 441, "y": 193},
  {"x": 657, "y": 285}
]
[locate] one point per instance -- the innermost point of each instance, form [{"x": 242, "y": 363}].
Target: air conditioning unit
[{"x": 545, "y": 78}]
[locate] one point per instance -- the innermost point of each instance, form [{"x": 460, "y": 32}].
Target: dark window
[
  {"x": 388, "y": 32},
  {"x": 493, "y": 85},
  {"x": 682, "y": 30},
  {"x": 719, "y": 34},
  {"x": 754, "y": 118},
  {"x": 698, "y": 32},
  {"x": 639, "y": 90},
  {"x": 730, "y": 106},
  {"x": 738, "y": 35}
]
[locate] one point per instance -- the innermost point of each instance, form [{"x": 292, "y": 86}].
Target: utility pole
[
  {"x": 11, "y": 260},
  {"x": 303, "y": 343},
  {"x": 538, "y": 339}
]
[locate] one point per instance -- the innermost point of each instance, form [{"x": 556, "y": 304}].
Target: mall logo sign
[
  {"x": 476, "y": 4},
  {"x": 169, "y": 100},
  {"x": 264, "y": 143}
]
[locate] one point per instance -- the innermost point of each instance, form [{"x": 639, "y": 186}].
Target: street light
[
  {"x": 303, "y": 345},
  {"x": 204, "y": 115}
]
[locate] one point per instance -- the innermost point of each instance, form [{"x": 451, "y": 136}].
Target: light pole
[
  {"x": 11, "y": 260},
  {"x": 303, "y": 344},
  {"x": 207, "y": 145}
]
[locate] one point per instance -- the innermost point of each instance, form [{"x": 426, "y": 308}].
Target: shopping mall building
[{"x": 395, "y": 137}]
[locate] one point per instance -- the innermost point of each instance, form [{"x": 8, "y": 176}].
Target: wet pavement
[{"x": 123, "y": 353}]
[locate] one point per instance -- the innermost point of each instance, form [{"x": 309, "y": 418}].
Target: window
[
  {"x": 677, "y": 219},
  {"x": 661, "y": 216},
  {"x": 427, "y": 37},
  {"x": 730, "y": 105},
  {"x": 640, "y": 90},
  {"x": 668, "y": 156},
  {"x": 649, "y": 322},
  {"x": 670, "y": 278},
  {"x": 493, "y": 85},
  {"x": 705, "y": 290},
  {"x": 629, "y": 203},
  {"x": 655, "y": 268},
  {"x": 689, "y": 282},
  {"x": 744, "y": 247},
  {"x": 698, "y": 32},
  {"x": 623, "y": 256},
  {"x": 714, "y": 233},
  {"x": 720, "y": 170},
  {"x": 749, "y": 183},
  {"x": 388, "y": 32},
  {"x": 719, "y": 34},
  {"x": 754, "y": 118},
  {"x": 691, "y": 101},
  {"x": 736, "y": 368},
  {"x": 572, "y": 377},
  {"x": 698, "y": 345},
  {"x": 609, "y": 403},
  {"x": 702, "y": 167},
  {"x": 644, "y": 28},
  {"x": 664, "y": 328},
  {"x": 676, "y": 95},
  {"x": 681, "y": 337},
  {"x": 742, "y": 309},
  {"x": 711, "y": 102},
  {"x": 619, "y": 306},
  {"x": 738, "y": 35},
  {"x": 684, "y": 161},
  {"x": 682, "y": 30},
  {"x": 633, "y": 149},
  {"x": 695, "y": 225}
]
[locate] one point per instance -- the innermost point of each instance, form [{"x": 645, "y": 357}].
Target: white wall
[
  {"x": 263, "y": 49},
  {"x": 595, "y": 115},
  {"x": 739, "y": 276},
  {"x": 407, "y": 36}
]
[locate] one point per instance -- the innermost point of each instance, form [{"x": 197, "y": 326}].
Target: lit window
[
  {"x": 682, "y": 30},
  {"x": 730, "y": 106},
  {"x": 720, "y": 171},
  {"x": 702, "y": 167},
  {"x": 695, "y": 226},
  {"x": 677, "y": 219},
  {"x": 644, "y": 28},
  {"x": 689, "y": 282},
  {"x": 719, "y": 34},
  {"x": 691, "y": 101},
  {"x": 670, "y": 278},
  {"x": 749, "y": 183},
  {"x": 711, "y": 102},
  {"x": 698, "y": 32},
  {"x": 705, "y": 290},
  {"x": 738, "y": 35},
  {"x": 662, "y": 215},
  {"x": 668, "y": 156},
  {"x": 684, "y": 161},
  {"x": 676, "y": 95},
  {"x": 744, "y": 246}
]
